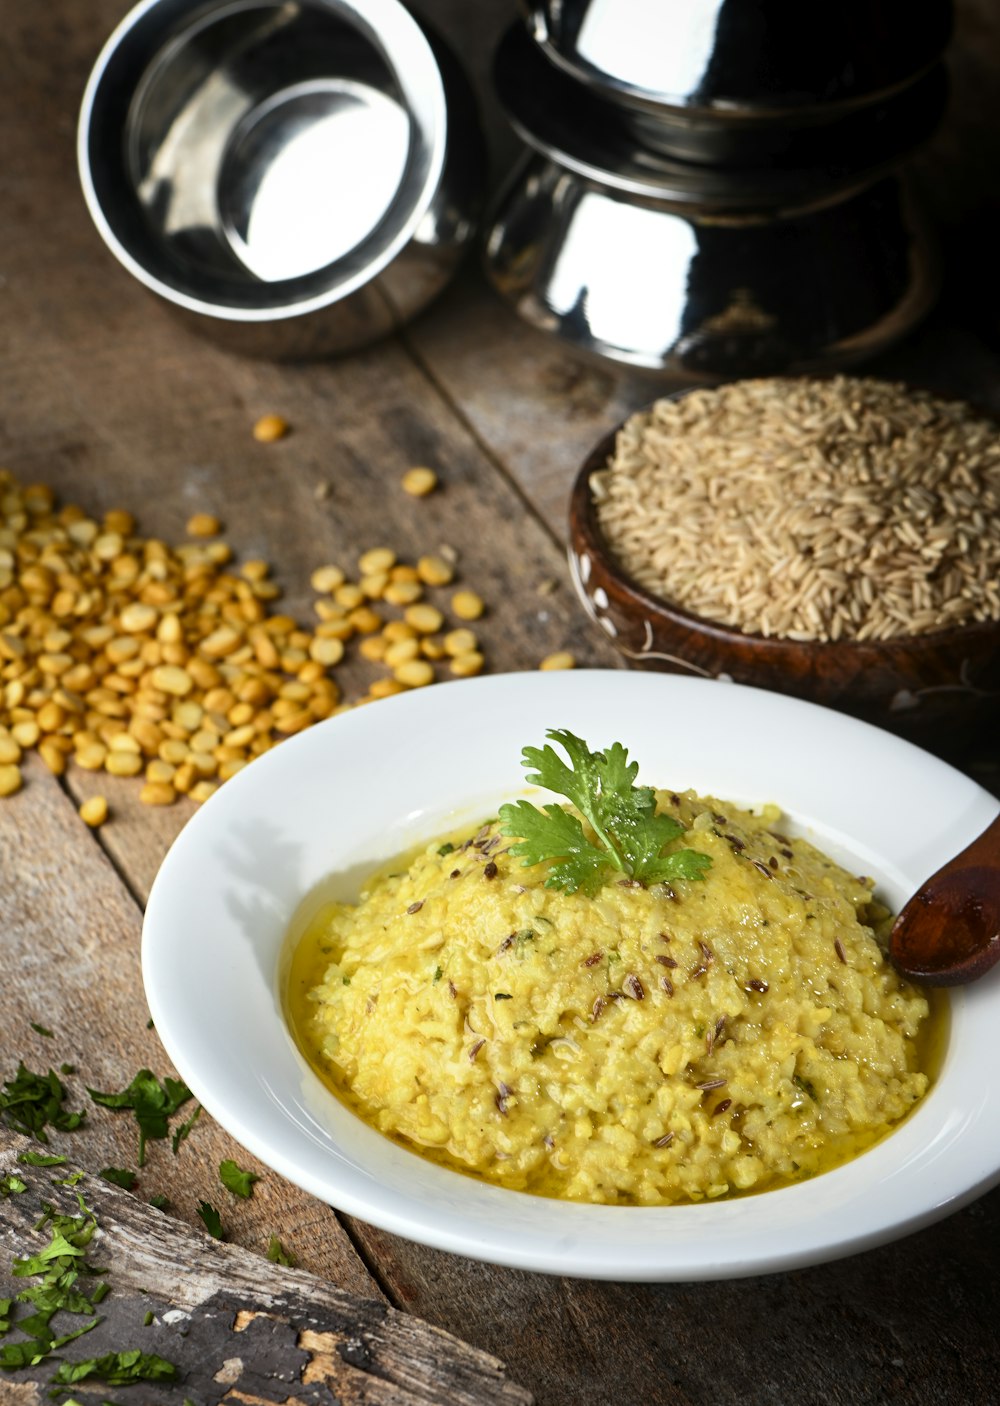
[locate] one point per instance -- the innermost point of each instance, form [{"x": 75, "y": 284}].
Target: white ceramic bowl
[{"x": 352, "y": 792}]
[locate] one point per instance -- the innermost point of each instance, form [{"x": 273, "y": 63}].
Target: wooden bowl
[{"x": 941, "y": 690}]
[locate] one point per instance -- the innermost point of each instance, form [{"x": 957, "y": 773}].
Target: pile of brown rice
[{"x": 810, "y": 509}]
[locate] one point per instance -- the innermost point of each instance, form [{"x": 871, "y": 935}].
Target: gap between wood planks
[{"x": 483, "y": 445}]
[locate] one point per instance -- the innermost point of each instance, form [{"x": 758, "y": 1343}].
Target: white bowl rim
[{"x": 941, "y": 1157}]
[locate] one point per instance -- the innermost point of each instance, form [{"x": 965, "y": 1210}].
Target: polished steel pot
[{"x": 294, "y": 178}]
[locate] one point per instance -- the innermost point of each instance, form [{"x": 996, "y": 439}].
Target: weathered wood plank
[
  {"x": 71, "y": 964},
  {"x": 237, "y": 1328}
]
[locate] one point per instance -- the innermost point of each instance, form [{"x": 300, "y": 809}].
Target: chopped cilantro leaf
[
  {"x": 237, "y": 1181},
  {"x": 183, "y": 1130},
  {"x": 41, "y": 1030},
  {"x": 446, "y": 848},
  {"x": 628, "y": 834},
  {"x": 153, "y": 1104},
  {"x": 148, "y": 1320},
  {"x": 30, "y": 1102},
  {"x": 159, "y": 1201},
  {"x": 277, "y": 1254},
  {"x": 211, "y": 1219},
  {"x": 437, "y": 976},
  {"x": 118, "y": 1369},
  {"x": 120, "y": 1176},
  {"x": 41, "y": 1159},
  {"x": 12, "y": 1185},
  {"x": 58, "y": 1267}
]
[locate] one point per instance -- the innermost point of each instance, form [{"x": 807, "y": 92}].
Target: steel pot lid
[{"x": 750, "y": 60}]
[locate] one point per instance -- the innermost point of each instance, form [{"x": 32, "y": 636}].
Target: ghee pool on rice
[{"x": 645, "y": 1046}]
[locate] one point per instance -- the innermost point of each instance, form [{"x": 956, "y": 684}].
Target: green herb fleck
[
  {"x": 41, "y": 1159},
  {"x": 148, "y": 1320},
  {"x": 153, "y": 1104},
  {"x": 67, "y": 1069},
  {"x": 437, "y": 976},
  {"x": 184, "y": 1130},
  {"x": 118, "y": 1369},
  {"x": 58, "y": 1267},
  {"x": 806, "y": 1085},
  {"x": 345, "y": 980},
  {"x": 277, "y": 1254},
  {"x": 159, "y": 1201},
  {"x": 211, "y": 1219},
  {"x": 237, "y": 1181},
  {"x": 446, "y": 848},
  {"x": 41, "y": 1030},
  {"x": 120, "y": 1176},
  {"x": 502, "y": 996},
  {"x": 31, "y": 1102},
  {"x": 628, "y": 834},
  {"x": 12, "y": 1185}
]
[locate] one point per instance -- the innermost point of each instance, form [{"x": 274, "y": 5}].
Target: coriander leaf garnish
[
  {"x": 277, "y": 1254},
  {"x": 118, "y": 1369},
  {"x": 153, "y": 1104},
  {"x": 119, "y": 1176},
  {"x": 628, "y": 834},
  {"x": 30, "y": 1102},
  {"x": 42, "y": 1030},
  {"x": 41, "y": 1159},
  {"x": 211, "y": 1219},
  {"x": 12, "y": 1185},
  {"x": 237, "y": 1181},
  {"x": 184, "y": 1130}
]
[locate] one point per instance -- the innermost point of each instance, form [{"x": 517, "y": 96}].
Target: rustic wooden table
[{"x": 105, "y": 397}]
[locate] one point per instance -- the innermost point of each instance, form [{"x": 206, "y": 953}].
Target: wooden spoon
[{"x": 949, "y": 931}]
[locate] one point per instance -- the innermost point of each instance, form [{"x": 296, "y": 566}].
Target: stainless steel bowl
[
  {"x": 694, "y": 293},
  {"x": 742, "y": 60},
  {"x": 296, "y": 178}
]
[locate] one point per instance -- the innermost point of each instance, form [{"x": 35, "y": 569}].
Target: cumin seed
[
  {"x": 839, "y": 949},
  {"x": 416, "y": 907},
  {"x": 490, "y": 871}
]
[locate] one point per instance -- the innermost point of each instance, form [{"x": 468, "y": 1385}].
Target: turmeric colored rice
[{"x": 645, "y": 1046}]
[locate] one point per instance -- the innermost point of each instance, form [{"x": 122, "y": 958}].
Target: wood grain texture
[
  {"x": 71, "y": 964},
  {"x": 238, "y": 1329},
  {"x": 104, "y": 395}
]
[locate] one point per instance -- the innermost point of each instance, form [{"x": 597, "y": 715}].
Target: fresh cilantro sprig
[
  {"x": 629, "y": 836},
  {"x": 153, "y": 1104},
  {"x": 236, "y": 1180}
]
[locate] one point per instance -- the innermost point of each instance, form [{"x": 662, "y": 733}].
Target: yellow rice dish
[{"x": 645, "y": 1046}]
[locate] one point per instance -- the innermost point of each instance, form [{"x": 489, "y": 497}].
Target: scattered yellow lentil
[
  {"x": 10, "y": 779},
  {"x": 460, "y": 641},
  {"x": 561, "y": 659},
  {"x": 426, "y": 619},
  {"x": 435, "y": 571},
  {"x": 465, "y": 665},
  {"x": 94, "y": 811},
  {"x": 467, "y": 605},
  {"x": 121, "y": 654},
  {"x": 419, "y": 481},
  {"x": 326, "y": 579},
  {"x": 376, "y": 559},
  {"x": 269, "y": 428},
  {"x": 413, "y": 673}
]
